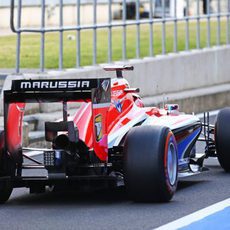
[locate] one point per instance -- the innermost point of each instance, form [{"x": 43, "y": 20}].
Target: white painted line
[{"x": 196, "y": 216}]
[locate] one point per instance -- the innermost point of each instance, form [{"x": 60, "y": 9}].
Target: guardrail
[{"x": 124, "y": 23}]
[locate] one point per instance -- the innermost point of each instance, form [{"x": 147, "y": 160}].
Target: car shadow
[
  {"x": 84, "y": 198},
  {"x": 72, "y": 197},
  {"x": 186, "y": 184}
]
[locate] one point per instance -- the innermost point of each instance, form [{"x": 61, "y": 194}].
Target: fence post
[
  {"x": 218, "y": 24},
  {"x": 163, "y": 28},
  {"x": 208, "y": 23},
  {"x": 124, "y": 30},
  {"x": 187, "y": 26},
  {"x": 42, "y": 47},
  {"x": 95, "y": 32},
  {"x": 227, "y": 23},
  {"x": 175, "y": 27},
  {"x": 151, "y": 49},
  {"x": 110, "y": 32},
  {"x": 78, "y": 40},
  {"x": 18, "y": 60},
  {"x": 198, "y": 24},
  {"x": 61, "y": 34},
  {"x": 137, "y": 28}
]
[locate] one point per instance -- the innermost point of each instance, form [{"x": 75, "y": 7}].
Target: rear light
[{"x": 54, "y": 158}]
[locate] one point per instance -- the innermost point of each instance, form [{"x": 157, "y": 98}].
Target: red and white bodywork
[{"x": 127, "y": 110}]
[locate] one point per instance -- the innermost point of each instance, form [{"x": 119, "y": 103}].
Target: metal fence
[{"x": 159, "y": 13}]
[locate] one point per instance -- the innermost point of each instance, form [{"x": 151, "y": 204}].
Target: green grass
[{"x": 30, "y": 45}]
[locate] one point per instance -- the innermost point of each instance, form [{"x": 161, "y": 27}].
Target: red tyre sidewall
[{"x": 170, "y": 138}]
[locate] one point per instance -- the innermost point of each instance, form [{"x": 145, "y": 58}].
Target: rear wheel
[
  {"x": 151, "y": 164},
  {"x": 5, "y": 191},
  {"x": 222, "y": 138},
  {"x": 5, "y": 164}
]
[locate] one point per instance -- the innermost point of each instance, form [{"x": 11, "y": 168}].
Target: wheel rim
[{"x": 172, "y": 163}]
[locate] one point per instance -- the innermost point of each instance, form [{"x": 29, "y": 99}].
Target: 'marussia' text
[{"x": 71, "y": 84}]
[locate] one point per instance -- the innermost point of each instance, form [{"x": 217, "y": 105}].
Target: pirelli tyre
[
  {"x": 5, "y": 191},
  {"x": 150, "y": 164},
  {"x": 222, "y": 138},
  {"x": 5, "y": 183}
]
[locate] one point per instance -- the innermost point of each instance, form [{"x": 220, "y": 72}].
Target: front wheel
[
  {"x": 222, "y": 138},
  {"x": 151, "y": 164}
]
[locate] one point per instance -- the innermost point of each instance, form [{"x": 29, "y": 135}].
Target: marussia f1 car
[{"x": 112, "y": 139}]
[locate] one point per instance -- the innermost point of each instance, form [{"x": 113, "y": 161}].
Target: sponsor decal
[
  {"x": 105, "y": 85},
  {"x": 117, "y": 93},
  {"x": 118, "y": 105},
  {"x": 54, "y": 84},
  {"x": 98, "y": 127}
]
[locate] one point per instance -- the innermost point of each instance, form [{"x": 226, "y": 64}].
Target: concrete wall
[
  {"x": 183, "y": 71},
  {"x": 178, "y": 76}
]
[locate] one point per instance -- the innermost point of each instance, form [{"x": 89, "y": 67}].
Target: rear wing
[
  {"x": 98, "y": 91},
  {"x": 57, "y": 90}
]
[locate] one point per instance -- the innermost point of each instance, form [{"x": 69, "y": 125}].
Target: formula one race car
[{"x": 112, "y": 139}]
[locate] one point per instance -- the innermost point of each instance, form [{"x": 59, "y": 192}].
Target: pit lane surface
[{"x": 106, "y": 209}]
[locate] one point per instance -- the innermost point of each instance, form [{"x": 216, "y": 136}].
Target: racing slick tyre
[
  {"x": 5, "y": 191},
  {"x": 5, "y": 185},
  {"x": 151, "y": 164},
  {"x": 222, "y": 138}
]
